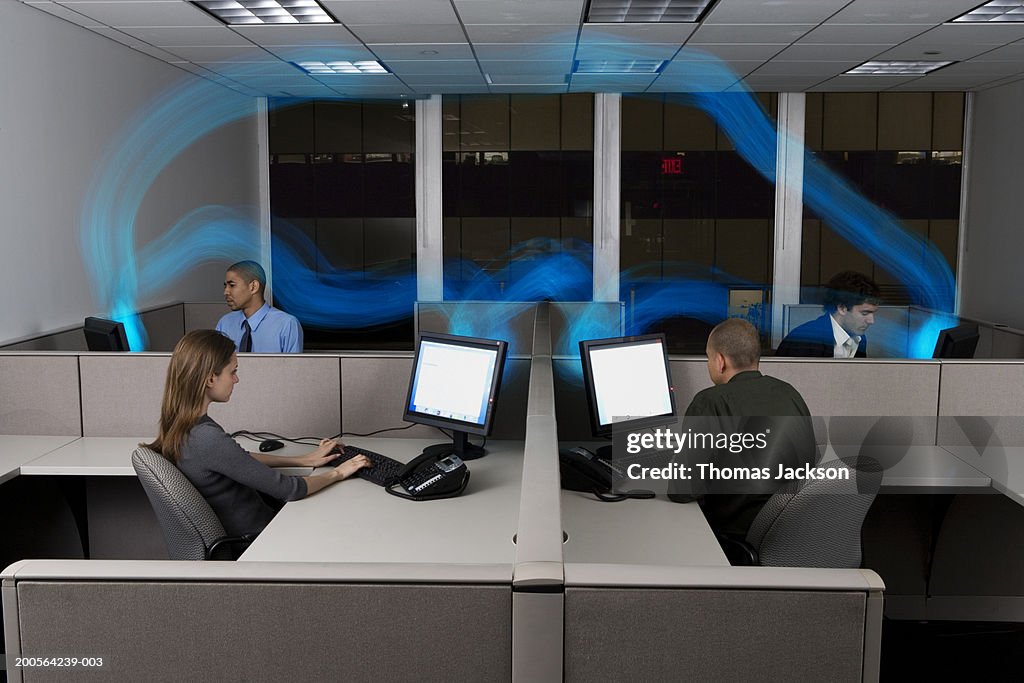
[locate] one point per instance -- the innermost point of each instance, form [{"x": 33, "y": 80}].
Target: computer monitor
[
  {"x": 627, "y": 382},
  {"x": 105, "y": 335},
  {"x": 454, "y": 385},
  {"x": 957, "y": 342}
]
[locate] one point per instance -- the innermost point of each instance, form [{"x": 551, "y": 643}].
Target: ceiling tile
[
  {"x": 918, "y": 49},
  {"x": 537, "y": 79},
  {"x": 520, "y": 11},
  {"x": 425, "y": 33},
  {"x": 205, "y": 35},
  {"x": 704, "y": 71},
  {"x": 433, "y": 66},
  {"x": 992, "y": 69},
  {"x": 522, "y": 51},
  {"x": 392, "y": 11},
  {"x": 530, "y": 89},
  {"x": 780, "y": 12},
  {"x": 66, "y": 13},
  {"x": 863, "y": 34},
  {"x": 636, "y": 33},
  {"x": 902, "y": 11},
  {"x": 206, "y": 53},
  {"x": 976, "y": 34},
  {"x": 1008, "y": 53},
  {"x": 526, "y": 67},
  {"x": 276, "y": 68},
  {"x": 305, "y": 34},
  {"x": 749, "y": 51},
  {"x": 321, "y": 53},
  {"x": 147, "y": 13},
  {"x": 831, "y": 52},
  {"x": 822, "y": 69},
  {"x": 749, "y": 33},
  {"x": 444, "y": 51},
  {"x": 862, "y": 82},
  {"x": 445, "y": 79},
  {"x": 627, "y": 51},
  {"x": 771, "y": 84},
  {"x": 534, "y": 33}
]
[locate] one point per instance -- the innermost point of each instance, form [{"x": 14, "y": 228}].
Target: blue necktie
[{"x": 245, "y": 346}]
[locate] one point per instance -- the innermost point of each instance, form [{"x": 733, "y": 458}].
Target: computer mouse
[{"x": 270, "y": 445}]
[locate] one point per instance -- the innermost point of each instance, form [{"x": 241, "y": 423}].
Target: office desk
[
  {"x": 17, "y": 450},
  {"x": 926, "y": 469},
  {"x": 1004, "y": 464},
  {"x": 643, "y": 532},
  {"x": 106, "y": 456},
  {"x": 356, "y": 521}
]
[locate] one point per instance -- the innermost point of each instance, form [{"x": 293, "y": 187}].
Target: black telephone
[
  {"x": 431, "y": 477},
  {"x": 583, "y": 471}
]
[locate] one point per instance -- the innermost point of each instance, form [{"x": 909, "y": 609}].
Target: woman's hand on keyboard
[
  {"x": 327, "y": 451},
  {"x": 351, "y": 466}
]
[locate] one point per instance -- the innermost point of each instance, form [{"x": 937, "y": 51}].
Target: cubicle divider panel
[
  {"x": 292, "y": 395},
  {"x": 203, "y": 316},
  {"x": 374, "y": 389},
  {"x": 714, "y": 634},
  {"x": 169, "y": 629},
  {"x": 72, "y": 339},
  {"x": 40, "y": 394},
  {"x": 164, "y": 327},
  {"x": 570, "y": 400}
]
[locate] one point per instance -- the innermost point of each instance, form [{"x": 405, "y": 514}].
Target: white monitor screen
[
  {"x": 630, "y": 381},
  {"x": 453, "y": 381}
]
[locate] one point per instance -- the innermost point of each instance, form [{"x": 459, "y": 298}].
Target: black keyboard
[{"x": 384, "y": 471}]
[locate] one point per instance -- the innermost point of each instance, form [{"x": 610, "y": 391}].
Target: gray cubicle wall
[
  {"x": 656, "y": 623},
  {"x": 39, "y": 394},
  {"x": 289, "y": 394},
  {"x": 270, "y": 621},
  {"x": 164, "y": 327}
]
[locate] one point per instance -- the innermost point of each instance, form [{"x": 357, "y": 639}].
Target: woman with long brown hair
[{"x": 204, "y": 370}]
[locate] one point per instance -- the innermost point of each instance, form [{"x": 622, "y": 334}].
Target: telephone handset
[
  {"x": 583, "y": 471},
  {"x": 431, "y": 477}
]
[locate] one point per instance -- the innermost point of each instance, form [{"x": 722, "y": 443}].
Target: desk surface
[
  {"x": 356, "y": 521},
  {"x": 648, "y": 532},
  {"x": 112, "y": 456},
  {"x": 925, "y": 469},
  {"x": 17, "y": 450},
  {"x": 1004, "y": 464}
]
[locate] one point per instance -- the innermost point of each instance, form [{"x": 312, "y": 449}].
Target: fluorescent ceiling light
[
  {"x": 646, "y": 11},
  {"x": 996, "y": 11},
  {"x": 235, "y": 12},
  {"x": 896, "y": 68},
  {"x": 338, "y": 67},
  {"x": 618, "y": 66}
]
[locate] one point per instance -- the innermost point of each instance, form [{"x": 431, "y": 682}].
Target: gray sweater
[{"x": 229, "y": 478}]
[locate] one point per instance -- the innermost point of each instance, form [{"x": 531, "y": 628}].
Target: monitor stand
[{"x": 460, "y": 447}]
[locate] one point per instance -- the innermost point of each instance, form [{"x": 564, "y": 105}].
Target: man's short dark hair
[
  {"x": 250, "y": 270},
  {"x": 850, "y": 288},
  {"x": 738, "y": 341}
]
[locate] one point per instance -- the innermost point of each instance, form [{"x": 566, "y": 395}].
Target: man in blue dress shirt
[{"x": 253, "y": 324}]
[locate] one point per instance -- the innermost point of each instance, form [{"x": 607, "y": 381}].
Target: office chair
[
  {"x": 818, "y": 525},
  {"x": 191, "y": 529}
]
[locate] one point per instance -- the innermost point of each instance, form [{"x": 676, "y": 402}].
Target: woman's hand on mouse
[{"x": 326, "y": 452}]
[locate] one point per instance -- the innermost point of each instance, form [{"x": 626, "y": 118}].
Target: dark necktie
[{"x": 245, "y": 346}]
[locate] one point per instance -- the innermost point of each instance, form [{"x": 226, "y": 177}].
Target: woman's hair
[{"x": 197, "y": 356}]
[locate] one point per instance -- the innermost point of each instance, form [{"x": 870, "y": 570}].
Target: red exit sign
[{"x": 671, "y": 166}]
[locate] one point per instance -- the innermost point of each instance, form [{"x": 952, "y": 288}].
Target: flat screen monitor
[
  {"x": 105, "y": 335},
  {"x": 627, "y": 382},
  {"x": 957, "y": 342},
  {"x": 454, "y": 385}
]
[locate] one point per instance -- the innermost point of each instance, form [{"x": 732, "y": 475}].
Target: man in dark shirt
[
  {"x": 741, "y": 391},
  {"x": 851, "y": 301}
]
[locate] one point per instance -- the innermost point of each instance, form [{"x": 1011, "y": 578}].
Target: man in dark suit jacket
[{"x": 851, "y": 301}]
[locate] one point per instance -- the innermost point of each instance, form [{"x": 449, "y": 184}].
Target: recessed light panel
[
  {"x": 995, "y": 11},
  {"x": 338, "y": 67},
  {"x": 618, "y": 66},
  {"x": 235, "y": 12},
  {"x": 895, "y": 68},
  {"x": 646, "y": 11}
]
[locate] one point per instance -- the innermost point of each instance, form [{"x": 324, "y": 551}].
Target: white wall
[
  {"x": 991, "y": 276},
  {"x": 66, "y": 95}
]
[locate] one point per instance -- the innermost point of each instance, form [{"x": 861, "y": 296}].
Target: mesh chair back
[
  {"x": 189, "y": 524},
  {"x": 819, "y": 524}
]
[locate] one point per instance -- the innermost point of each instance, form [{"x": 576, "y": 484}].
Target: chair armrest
[
  {"x": 244, "y": 539},
  {"x": 739, "y": 552}
]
